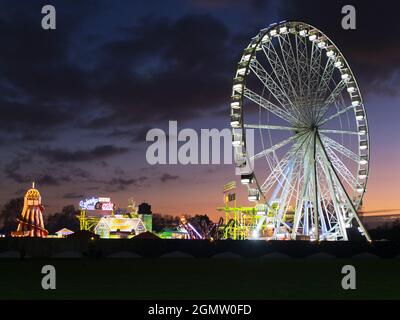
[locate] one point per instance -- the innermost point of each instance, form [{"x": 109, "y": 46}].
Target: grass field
[{"x": 197, "y": 278}]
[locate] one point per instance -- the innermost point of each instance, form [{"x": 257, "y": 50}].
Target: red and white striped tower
[{"x": 30, "y": 222}]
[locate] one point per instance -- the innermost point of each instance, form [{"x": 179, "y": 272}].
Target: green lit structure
[
  {"x": 250, "y": 222},
  {"x": 114, "y": 225},
  {"x": 87, "y": 223}
]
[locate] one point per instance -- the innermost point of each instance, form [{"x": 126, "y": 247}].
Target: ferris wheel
[{"x": 310, "y": 156}]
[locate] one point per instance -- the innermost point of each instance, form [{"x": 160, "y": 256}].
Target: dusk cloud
[
  {"x": 168, "y": 177},
  {"x": 99, "y": 152}
]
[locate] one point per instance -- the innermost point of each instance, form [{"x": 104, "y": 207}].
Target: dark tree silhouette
[
  {"x": 200, "y": 219},
  {"x": 64, "y": 219},
  {"x": 387, "y": 232},
  {"x": 161, "y": 221},
  {"x": 9, "y": 214},
  {"x": 144, "y": 208}
]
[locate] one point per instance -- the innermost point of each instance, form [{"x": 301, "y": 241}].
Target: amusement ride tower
[{"x": 30, "y": 221}]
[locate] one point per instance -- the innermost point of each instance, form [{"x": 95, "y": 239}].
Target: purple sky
[{"x": 77, "y": 102}]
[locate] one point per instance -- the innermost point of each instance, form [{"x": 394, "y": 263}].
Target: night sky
[{"x": 76, "y": 102}]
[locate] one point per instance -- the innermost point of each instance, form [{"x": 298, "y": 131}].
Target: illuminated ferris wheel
[{"x": 310, "y": 156}]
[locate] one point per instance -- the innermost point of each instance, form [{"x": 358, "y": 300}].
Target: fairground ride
[
  {"x": 310, "y": 154},
  {"x": 202, "y": 229}
]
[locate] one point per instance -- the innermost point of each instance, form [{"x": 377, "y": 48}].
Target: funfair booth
[{"x": 97, "y": 214}]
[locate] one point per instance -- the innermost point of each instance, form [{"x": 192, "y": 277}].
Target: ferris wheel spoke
[
  {"x": 337, "y": 220},
  {"x": 273, "y": 177},
  {"x": 302, "y": 58},
  {"x": 270, "y": 84},
  {"x": 275, "y": 89},
  {"x": 349, "y": 203},
  {"x": 314, "y": 75},
  {"x": 269, "y": 106},
  {"x": 295, "y": 75},
  {"x": 282, "y": 207},
  {"x": 324, "y": 85},
  {"x": 276, "y": 146},
  {"x": 290, "y": 62},
  {"x": 337, "y": 114},
  {"x": 325, "y": 80},
  {"x": 319, "y": 208},
  {"x": 301, "y": 210},
  {"x": 342, "y": 170},
  {"x": 314, "y": 72},
  {"x": 268, "y": 127},
  {"x": 339, "y": 131},
  {"x": 330, "y": 217},
  {"x": 335, "y": 95},
  {"x": 304, "y": 74},
  {"x": 283, "y": 78},
  {"x": 340, "y": 148},
  {"x": 278, "y": 170},
  {"x": 278, "y": 68}
]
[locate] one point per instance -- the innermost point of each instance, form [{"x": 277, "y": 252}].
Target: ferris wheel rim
[{"x": 250, "y": 52}]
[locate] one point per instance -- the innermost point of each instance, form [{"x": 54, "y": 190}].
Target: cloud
[
  {"x": 47, "y": 179},
  {"x": 119, "y": 171},
  {"x": 371, "y": 50},
  {"x": 119, "y": 184},
  {"x": 40, "y": 84},
  {"x": 168, "y": 177},
  {"x": 13, "y": 170},
  {"x": 156, "y": 68},
  {"x": 97, "y": 153},
  {"x": 222, "y": 4},
  {"x": 140, "y": 75},
  {"x": 183, "y": 75},
  {"x": 73, "y": 195},
  {"x": 25, "y": 167}
]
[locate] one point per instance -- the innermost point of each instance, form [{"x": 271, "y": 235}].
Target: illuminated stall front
[
  {"x": 97, "y": 214},
  {"x": 118, "y": 226}
]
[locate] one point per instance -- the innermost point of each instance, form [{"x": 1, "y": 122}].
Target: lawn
[{"x": 199, "y": 278}]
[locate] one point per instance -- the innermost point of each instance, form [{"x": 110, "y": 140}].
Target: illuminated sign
[
  {"x": 107, "y": 206},
  {"x": 97, "y": 203},
  {"x": 88, "y": 204}
]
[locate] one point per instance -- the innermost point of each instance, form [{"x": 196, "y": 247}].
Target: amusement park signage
[
  {"x": 96, "y": 203},
  {"x": 88, "y": 204},
  {"x": 106, "y": 206}
]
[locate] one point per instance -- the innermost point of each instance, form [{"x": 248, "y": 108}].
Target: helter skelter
[
  {"x": 30, "y": 221},
  {"x": 296, "y": 89}
]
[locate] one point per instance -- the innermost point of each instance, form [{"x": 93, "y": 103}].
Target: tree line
[{"x": 66, "y": 218}]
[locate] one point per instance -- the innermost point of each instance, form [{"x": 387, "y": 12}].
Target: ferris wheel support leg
[
  {"x": 340, "y": 185},
  {"x": 321, "y": 216},
  {"x": 297, "y": 218},
  {"x": 282, "y": 202},
  {"x": 299, "y": 206},
  {"x": 300, "y": 203},
  {"x": 315, "y": 185},
  {"x": 336, "y": 205}
]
